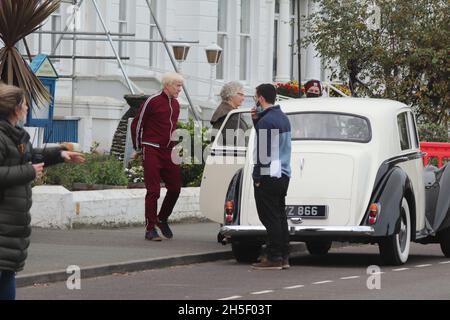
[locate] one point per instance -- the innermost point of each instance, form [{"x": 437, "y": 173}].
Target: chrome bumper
[{"x": 231, "y": 231}]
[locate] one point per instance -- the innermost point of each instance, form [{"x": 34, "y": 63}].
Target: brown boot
[{"x": 266, "y": 264}]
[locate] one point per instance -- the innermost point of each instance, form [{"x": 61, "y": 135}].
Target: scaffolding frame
[{"x": 108, "y": 36}]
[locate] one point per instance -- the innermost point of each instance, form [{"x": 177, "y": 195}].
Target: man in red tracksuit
[{"x": 151, "y": 131}]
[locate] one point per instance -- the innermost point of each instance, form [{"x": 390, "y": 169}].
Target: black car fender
[
  {"x": 442, "y": 211},
  {"x": 388, "y": 194}
]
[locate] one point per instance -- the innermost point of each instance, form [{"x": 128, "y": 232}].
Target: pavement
[{"x": 101, "y": 252}]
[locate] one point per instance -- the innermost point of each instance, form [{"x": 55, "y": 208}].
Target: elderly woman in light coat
[{"x": 232, "y": 95}]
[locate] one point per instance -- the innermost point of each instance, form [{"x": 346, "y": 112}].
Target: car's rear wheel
[
  {"x": 246, "y": 251},
  {"x": 394, "y": 249},
  {"x": 318, "y": 248},
  {"x": 444, "y": 240}
]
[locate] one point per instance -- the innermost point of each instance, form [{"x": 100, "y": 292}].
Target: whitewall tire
[{"x": 394, "y": 249}]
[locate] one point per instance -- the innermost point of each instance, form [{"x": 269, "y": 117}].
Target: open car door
[{"x": 227, "y": 156}]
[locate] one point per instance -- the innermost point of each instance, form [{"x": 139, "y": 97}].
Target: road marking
[
  {"x": 330, "y": 281},
  {"x": 400, "y": 269},
  {"x": 323, "y": 282},
  {"x": 231, "y": 298},
  {"x": 262, "y": 292},
  {"x": 349, "y": 278},
  {"x": 423, "y": 265},
  {"x": 294, "y": 287}
]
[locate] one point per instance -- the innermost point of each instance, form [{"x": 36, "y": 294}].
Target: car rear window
[{"x": 329, "y": 126}]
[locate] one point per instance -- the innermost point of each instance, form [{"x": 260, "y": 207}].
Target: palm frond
[{"x": 19, "y": 18}]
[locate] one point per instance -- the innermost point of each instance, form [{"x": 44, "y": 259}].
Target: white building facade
[{"x": 257, "y": 37}]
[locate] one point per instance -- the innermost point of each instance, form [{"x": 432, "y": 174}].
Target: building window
[
  {"x": 56, "y": 26},
  {"x": 122, "y": 25},
  {"x": 245, "y": 40},
  {"x": 153, "y": 35},
  {"x": 222, "y": 36},
  {"x": 293, "y": 47},
  {"x": 275, "y": 49}
]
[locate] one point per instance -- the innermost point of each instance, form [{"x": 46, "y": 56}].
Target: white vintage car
[{"x": 357, "y": 175}]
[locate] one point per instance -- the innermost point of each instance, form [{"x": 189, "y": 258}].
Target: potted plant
[{"x": 290, "y": 89}]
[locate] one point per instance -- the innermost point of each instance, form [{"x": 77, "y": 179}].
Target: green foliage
[
  {"x": 192, "y": 171},
  {"x": 397, "y": 50},
  {"x": 98, "y": 169},
  {"x": 433, "y": 133}
]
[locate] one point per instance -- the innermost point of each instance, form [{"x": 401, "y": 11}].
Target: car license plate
[{"x": 307, "y": 212}]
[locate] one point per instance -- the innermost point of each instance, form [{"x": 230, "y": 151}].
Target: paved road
[{"x": 342, "y": 274}]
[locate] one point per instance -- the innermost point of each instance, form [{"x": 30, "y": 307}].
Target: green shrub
[
  {"x": 191, "y": 174},
  {"x": 433, "y": 133},
  {"x": 98, "y": 169}
]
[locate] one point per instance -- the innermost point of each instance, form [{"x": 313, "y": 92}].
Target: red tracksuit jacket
[{"x": 155, "y": 122}]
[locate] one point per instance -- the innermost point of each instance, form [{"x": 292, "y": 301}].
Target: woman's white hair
[
  {"x": 230, "y": 89},
  {"x": 171, "y": 77}
]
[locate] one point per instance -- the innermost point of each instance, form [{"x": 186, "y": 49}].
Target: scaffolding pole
[
  {"x": 74, "y": 60},
  {"x": 84, "y": 33},
  {"x": 130, "y": 40}
]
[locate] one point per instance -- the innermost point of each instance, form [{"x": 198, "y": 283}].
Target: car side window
[
  {"x": 236, "y": 131},
  {"x": 415, "y": 137},
  {"x": 403, "y": 131}
]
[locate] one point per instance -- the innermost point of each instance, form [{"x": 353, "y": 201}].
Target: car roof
[
  {"x": 367, "y": 107},
  {"x": 371, "y": 108}
]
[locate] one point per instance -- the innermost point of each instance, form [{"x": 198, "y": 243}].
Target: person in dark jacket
[
  {"x": 151, "y": 133},
  {"x": 271, "y": 174},
  {"x": 20, "y": 164}
]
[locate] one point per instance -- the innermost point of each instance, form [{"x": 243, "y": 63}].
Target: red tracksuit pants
[{"x": 158, "y": 166}]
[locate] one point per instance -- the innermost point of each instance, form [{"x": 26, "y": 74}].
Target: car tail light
[
  {"x": 373, "y": 213},
  {"x": 229, "y": 210}
]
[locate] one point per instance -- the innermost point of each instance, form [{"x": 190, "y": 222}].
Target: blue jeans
[{"x": 7, "y": 285}]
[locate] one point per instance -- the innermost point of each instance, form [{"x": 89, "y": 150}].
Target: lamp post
[
  {"x": 180, "y": 51},
  {"x": 213, "y": 54}
]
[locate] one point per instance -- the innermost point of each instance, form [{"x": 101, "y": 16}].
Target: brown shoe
[
  {"x": 268, "y": 265},
  {"x": 285, "y": 263}
]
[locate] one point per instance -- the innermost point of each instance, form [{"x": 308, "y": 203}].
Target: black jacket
[{"x": 16, "y": 175}]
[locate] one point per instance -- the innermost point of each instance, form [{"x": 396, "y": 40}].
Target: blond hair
[
  {"x": 11, "y": 98},
  {"x": 171, "y": 77}
]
